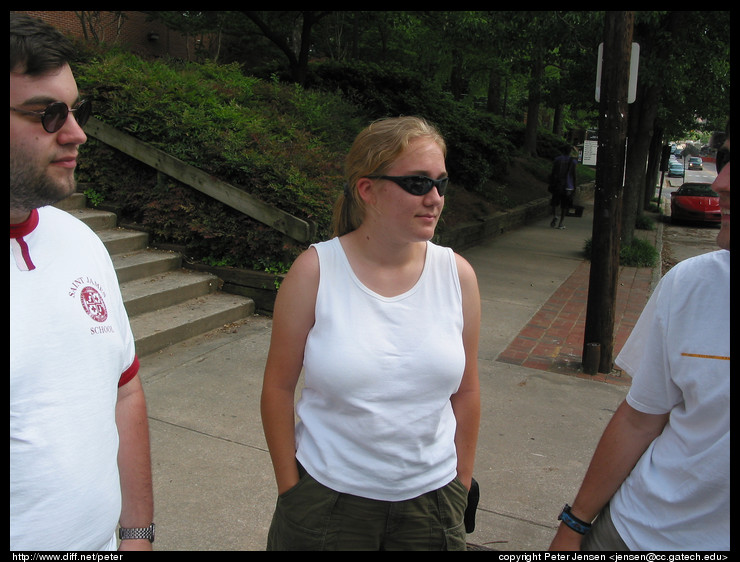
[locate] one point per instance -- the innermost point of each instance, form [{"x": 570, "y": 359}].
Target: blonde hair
[{"x": 372, "y": 153}]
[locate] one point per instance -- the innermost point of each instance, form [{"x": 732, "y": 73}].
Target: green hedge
[
  {"x": 478, "y": 144},
  {"x": 282, "y": 143},
  {"x": 640, "y": 253}
]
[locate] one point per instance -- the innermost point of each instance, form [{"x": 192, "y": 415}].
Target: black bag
[{"x": 473, "y": 497}]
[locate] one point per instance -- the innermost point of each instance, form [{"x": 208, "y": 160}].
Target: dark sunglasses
[
  {"x": 416, "y": 185},
  {"x": 723, "y": 158},
  {"x": 55, "y": 114}
]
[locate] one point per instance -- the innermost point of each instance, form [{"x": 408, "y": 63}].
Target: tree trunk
[
  {"x": 642, "y": 119},
  {"x": 533, "y": 105},
  {"x": 558, "y": 119},
  {"x": 653, "y": 171},
  {"x": 493, "y": 103}
]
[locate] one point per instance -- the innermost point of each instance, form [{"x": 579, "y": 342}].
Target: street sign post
[{"x": 634, "y": 64}]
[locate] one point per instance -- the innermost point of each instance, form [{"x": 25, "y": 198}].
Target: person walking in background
[
  {"x": 562, "y": 185},
  {"x": 79, "y": 438},
  {"x": 660, "y": 476},
  {"x": 385, "y": 324}
]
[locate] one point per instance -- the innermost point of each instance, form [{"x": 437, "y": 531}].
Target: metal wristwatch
[{"x": 138, "y": 533}]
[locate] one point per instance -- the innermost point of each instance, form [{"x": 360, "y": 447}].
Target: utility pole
[{"x": 605, "y": 241}]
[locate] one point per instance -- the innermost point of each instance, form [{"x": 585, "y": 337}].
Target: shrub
[
  {"x": 478, "y": 143},
  {"x": 644, "y": 222},
  {"x": 281, "y": 143},
  {"x": 640, "y": 253}
]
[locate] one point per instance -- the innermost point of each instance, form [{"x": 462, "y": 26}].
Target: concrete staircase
[{"x": 166, "y": 303}]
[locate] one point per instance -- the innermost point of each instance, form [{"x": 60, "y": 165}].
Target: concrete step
[
  {"x": 97, "y": 220},
  {"x": 120, "y": 240},
  {"x": 157, "y": 329},
  {"x": 74, "y": 201},
  {"x": 162, "y": 290},
  {"x": 165, "y": 303},
  {"x": 144, "y": 263}
]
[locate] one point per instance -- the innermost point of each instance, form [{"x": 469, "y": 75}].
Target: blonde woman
[{"x": 385, "y": 325}]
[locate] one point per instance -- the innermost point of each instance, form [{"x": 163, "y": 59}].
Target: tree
[
  {"x": 291, "y": 33},
  {"x": 548, "y": 40},
  {"x": 683, "y": 77},
  {"x": 651, "y": 34},
  {"x": 90, "y": 20},
  {"x": 524, "y": 64},
  {"x": 209, "y": 25}
]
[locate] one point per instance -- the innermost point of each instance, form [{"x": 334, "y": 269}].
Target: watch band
[
  {"x": 137, "y": 533},
  {"x": 573, "y": 522}
]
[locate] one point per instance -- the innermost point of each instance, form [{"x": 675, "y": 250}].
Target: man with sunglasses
[
  {"x": 79, "y": 442},
  {"x": 660, "y": 476}
]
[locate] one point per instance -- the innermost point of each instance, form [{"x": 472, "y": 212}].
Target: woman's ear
[{"x": 365, "y": 190}]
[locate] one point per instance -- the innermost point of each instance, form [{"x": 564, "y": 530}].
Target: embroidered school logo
[{"x": 93, "y": 304}]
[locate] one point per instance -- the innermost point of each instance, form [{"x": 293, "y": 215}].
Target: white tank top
[{"x": 375, "y": 414}]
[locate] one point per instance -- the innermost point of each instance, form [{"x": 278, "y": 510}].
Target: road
[{"x": 686, "y": 240}]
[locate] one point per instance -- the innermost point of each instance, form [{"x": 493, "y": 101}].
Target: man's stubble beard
[{"x": 31, "y": 187}]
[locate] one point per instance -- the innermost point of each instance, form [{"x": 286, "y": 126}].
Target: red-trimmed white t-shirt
[{"x": 71, "y": 347}]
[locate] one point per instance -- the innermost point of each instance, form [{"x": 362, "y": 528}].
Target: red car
[{"x": 695, "y": 202}]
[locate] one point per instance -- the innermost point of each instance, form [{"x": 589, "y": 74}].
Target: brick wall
[{"x": 128, "y": 28}]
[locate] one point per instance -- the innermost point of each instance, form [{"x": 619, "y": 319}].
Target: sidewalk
[
  {"x": 553, "y": 339},
  {"x": 541, "y": 417}
]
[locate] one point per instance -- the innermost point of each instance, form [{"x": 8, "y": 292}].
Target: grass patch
[
  {"x": 640, "y": 253},
  {"x": 644, "y": 222}
]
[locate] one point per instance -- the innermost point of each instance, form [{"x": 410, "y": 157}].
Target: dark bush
[
  {"x": 478, "y": 146},
  {"x": 282, "y": 143}
]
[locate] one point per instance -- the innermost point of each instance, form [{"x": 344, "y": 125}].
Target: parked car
[
  {"x": 695, "y": 163},
  {"x": 675, "y": 170},
  {"x": 695, "y": 202}
]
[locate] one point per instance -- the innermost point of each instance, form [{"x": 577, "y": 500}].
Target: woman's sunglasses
[
  {"x": 416, "y": 185},
  {"x": 55, "y": 114}
]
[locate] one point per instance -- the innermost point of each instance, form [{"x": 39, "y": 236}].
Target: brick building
[{"x": 131, "y": 29}]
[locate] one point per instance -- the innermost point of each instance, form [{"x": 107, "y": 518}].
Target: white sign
[
  {"x": 634, "y": 63},
  {"x": 590, "y": 148}
]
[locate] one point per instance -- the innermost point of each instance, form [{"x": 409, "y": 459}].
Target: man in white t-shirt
[
  {"x": 660, "y": 476},
  {"x": 79, "y": 437}
]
